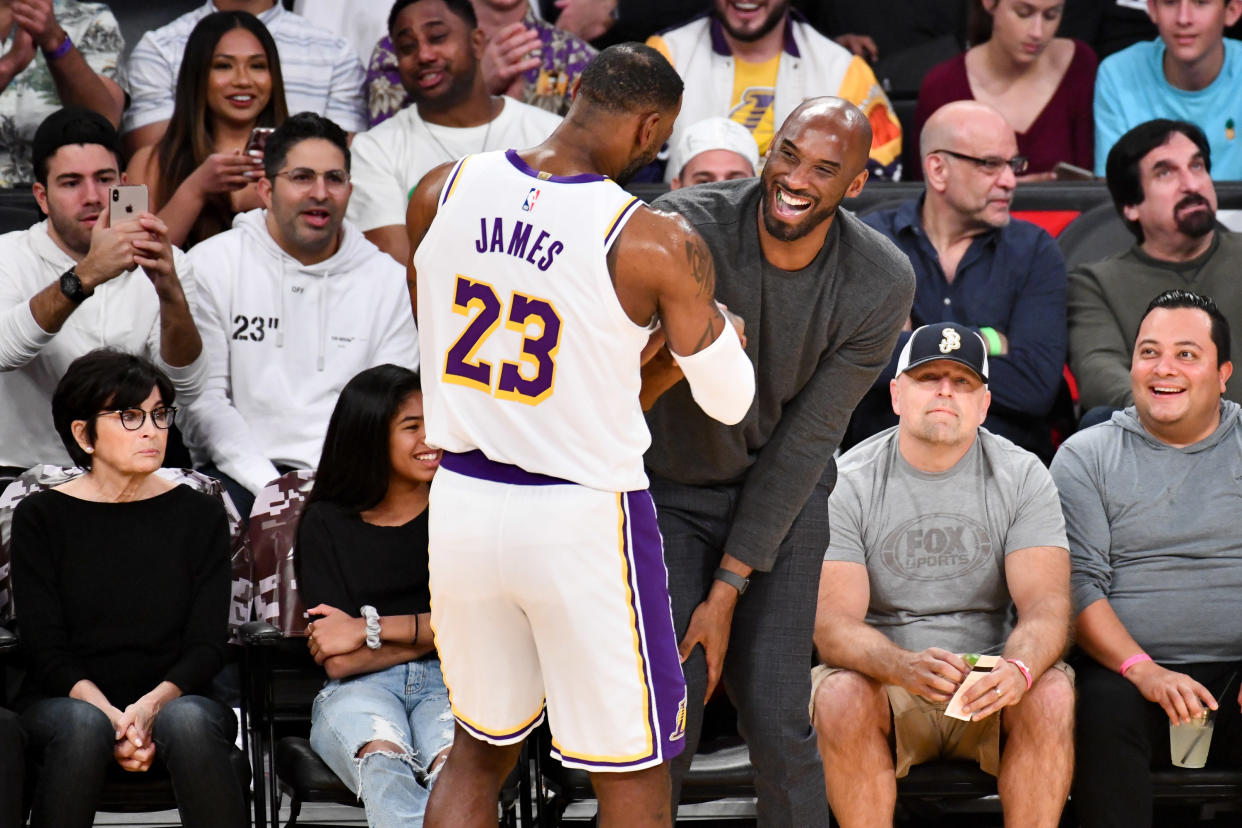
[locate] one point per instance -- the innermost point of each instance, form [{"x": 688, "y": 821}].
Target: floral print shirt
[{"x": 31, "y": 96}]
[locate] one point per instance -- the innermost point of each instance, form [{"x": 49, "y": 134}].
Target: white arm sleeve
[{"x": 722, "y": 380}]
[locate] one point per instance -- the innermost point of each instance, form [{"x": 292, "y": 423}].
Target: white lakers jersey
[{"x": 527, "y": 353}]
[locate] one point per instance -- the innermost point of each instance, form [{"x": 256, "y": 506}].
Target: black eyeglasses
[
  {"x": 993, "y": 163},
  {"x": 133, "y": 418}
]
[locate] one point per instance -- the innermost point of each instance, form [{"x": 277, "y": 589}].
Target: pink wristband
[
  {"x": 1131, "y": 661},
  {"x": 1026, "y": 671}
]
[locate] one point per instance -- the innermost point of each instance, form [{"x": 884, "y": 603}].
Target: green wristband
[{"x": 990, "y": 336}]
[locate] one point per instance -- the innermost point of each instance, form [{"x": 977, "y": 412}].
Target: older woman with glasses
[{"x": 121, "y": 580}]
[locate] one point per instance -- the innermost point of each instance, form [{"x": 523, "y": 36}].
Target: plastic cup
[{"x": 1189, "y": 743}]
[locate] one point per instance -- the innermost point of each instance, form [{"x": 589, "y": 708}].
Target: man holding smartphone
[{"x": 72, "y": 283}]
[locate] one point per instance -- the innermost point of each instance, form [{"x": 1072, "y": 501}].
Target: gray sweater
[
  {"x": 817, "y": 338},
  {"x": 1106, "y": 303},
  {"x": 1156, "y": 531}
]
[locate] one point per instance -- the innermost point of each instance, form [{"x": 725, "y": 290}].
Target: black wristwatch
[
  {"x": 71, "y": 286},
  {"x": 732, "y": 579}
]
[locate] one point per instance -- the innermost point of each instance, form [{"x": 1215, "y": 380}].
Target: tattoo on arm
[
  {"x": 701, "y": 267},
  {"x": 709, "y": 334}
]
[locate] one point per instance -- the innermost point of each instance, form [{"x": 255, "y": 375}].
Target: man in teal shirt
[{"x": 1192, "y": 72}]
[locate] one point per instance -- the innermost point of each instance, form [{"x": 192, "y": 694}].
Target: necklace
[{"x": 452, "y": 156}]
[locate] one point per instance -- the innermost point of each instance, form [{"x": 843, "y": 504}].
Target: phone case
[{"x": 129, "y": 201}]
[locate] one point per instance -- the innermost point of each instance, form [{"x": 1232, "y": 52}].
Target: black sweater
[
  {"x": 345, "y": 562},
  {"x": 124, "y": 594}
]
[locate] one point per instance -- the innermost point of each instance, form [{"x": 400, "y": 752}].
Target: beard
[
  {"x": 70, "y": 231},
  {"x": 458, "y": 91},
  {"x": 776, "y": 14},
  {"x": 781, "y": 231},
  {"x": 635, "y": 166},
  {"x": 1196, "y": 223}
]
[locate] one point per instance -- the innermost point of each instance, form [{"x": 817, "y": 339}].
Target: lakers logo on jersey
[
  {"x": 529, "y": 203},
  {"x": 756, "y": 101},
  {"x": 679, "y": 731}
]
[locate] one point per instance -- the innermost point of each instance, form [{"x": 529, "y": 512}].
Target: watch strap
[
  {"x": 71, "y": 287},
  {"x": 732, "y": 579}
]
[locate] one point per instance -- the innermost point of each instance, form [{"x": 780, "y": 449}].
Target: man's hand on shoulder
[
  {"x": 1180, "y": 696},
  {"x": 933, "y": 674}
]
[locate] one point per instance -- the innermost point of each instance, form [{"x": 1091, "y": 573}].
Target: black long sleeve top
[{"x": 124, "y": 594}]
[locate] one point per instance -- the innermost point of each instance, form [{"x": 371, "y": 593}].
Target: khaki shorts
[{"x": 921, "y": 731}]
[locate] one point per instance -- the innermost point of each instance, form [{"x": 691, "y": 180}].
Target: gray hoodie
[{"x": 1157, "y": 530}]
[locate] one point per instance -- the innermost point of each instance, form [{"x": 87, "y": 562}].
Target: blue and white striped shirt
[{"x": 321, "y": 72}]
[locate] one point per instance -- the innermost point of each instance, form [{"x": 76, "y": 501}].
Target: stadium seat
[
  {"x": 279, "y": 677},
  {"x": 1094, "y": 235},
  {"x": 123, "y": 792}
]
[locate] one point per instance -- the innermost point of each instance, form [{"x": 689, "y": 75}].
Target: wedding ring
[{"x": 998, "y": 692}]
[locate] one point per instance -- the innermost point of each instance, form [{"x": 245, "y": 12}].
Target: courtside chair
[{"x": 123, "y": 792}]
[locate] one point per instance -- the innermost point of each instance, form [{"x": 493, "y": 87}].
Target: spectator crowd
[{"x": 222, "y": 280}]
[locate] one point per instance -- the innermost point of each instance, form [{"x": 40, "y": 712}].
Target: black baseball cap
[
  {"x": 71, "y": 125},
  {"x": 945, "y": 340}
]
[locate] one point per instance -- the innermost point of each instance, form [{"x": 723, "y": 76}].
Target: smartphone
[
  {"x": 258, "y": 140},
  {"x": 1065, "y": 171},
  {"x": 129, "y": 201}
]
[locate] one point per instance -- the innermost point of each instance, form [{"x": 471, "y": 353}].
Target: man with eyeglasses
[
  {"x": 294, "y": 302},
  {"x": 81, "y": 280},
  {"x": 976, "y": 267}
]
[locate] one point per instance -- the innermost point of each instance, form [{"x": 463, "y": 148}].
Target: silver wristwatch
[{"x": 373, "y": 626}]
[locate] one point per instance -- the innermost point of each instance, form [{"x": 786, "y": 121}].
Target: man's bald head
[
  {"x": 970, "y": 164},
  {"x": 961, "y": 121},
  {"x": 838, "y": 120},
  {"x": 818, "y": 158}
]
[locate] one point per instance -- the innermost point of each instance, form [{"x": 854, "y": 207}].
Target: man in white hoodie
[
  {"x": 78, "y": 281},
  {"x": 294, "y": 303}
]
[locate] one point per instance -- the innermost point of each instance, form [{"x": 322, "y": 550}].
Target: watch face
[{"x": 71, "y": 286}]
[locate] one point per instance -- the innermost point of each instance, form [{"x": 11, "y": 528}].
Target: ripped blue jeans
[{"x": 406, "y": 704}]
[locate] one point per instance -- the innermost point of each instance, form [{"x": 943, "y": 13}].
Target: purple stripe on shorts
[
  {"x": 476, "y": 464},
  {"x": 654, "y": 608},
  {"x": 653, "y": 611}
]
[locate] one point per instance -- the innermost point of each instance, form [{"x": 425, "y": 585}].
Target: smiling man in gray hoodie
[
  {"x": 295, "y": 302},
  {"x": 1151, "y": 501}
]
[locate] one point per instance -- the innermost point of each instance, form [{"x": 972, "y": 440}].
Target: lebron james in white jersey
[{"x": 539, "y": 280}]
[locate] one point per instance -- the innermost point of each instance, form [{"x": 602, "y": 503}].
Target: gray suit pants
[{"x": 767, "y": 669}]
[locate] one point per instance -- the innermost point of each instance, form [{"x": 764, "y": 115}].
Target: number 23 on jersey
[{"x": 462, "y": 365}]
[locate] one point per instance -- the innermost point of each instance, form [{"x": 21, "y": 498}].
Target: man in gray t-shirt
[{"x": 941, "y": 532}]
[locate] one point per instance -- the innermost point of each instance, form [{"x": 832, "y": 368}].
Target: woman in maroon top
[{"x": 1041, "y": 83}]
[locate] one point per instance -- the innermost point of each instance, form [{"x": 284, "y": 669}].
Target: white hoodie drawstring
[
  {"x": 323, "y": 320},
  {"x": 284, "y": 272}
]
